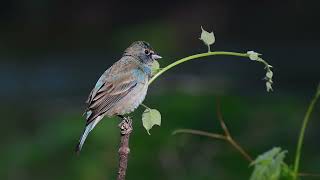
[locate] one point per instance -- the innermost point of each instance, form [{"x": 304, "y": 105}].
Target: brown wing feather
[
  {"x": 108, "y": 95},
  {"x": 118, "y": 81}
]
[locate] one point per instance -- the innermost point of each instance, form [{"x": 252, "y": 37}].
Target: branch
[
  {"x": 308, "y": 175},
  {"x": 251, "y": 55},
  {"x": 124, "y": 150},
  {"x": 201, "y": 133},
  {"x": 226, "y": 137},
  {"x": 196, "y": 56}
]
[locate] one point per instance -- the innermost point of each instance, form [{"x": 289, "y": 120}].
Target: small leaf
[
  {"x": 155, "y": 67},
  {"x": 269, "y": 74},
  {"x": 287, "y": 172},
  {"x": 269, "y": 165},
  {"x": 253, "y": 55},
  {"x": 151, "y": 117},
  {"x": 269, "y": 86},
  {"x": 206, "y": 37}
]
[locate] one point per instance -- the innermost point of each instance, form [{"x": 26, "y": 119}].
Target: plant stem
[
  {"x": 124, "y": 150},
  {"x": 240, "y": 149},
  {"x": 196, "y": 56},
  {"x": 308, "y": 175},
  {"x": 216, "y": 136},
  {"x": 226, "y": 137},
  {"x": 228, "y": 134},
  {"x": 145, "y": 106},
  {"x": 201, "y": 133},
  {"x": 302, "y": 132}
]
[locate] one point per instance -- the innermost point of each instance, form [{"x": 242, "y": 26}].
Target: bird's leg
[
  {"x": 125, "y": 125},
  {"x": 120, "y": 116}
]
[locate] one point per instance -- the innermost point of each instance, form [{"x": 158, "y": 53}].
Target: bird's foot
[{"x": 126, "y": 125}]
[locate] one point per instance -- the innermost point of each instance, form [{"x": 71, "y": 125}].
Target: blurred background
[{"x": 53, "y": 52}]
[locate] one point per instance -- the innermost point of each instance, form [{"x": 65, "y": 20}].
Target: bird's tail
[{"x": 86, "y": 132}]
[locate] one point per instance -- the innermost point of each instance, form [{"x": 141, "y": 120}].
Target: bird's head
[{"x": 143, "y": 51}]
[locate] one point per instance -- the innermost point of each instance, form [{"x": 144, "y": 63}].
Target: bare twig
[
  {"x": 124, "y": 150},
  {"x": 308, "y": 175},
  {"x": 223, "y": 125},
  {"x": 226, "y": 137},
  {"x": 240, "y": 149},
  {"x": 201, "y": 133}
]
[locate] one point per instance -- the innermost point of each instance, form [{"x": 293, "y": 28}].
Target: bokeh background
[{"x": 52, "y": 53}]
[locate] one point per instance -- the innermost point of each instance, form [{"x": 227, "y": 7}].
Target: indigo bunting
[{"x": 121, "y": 88}]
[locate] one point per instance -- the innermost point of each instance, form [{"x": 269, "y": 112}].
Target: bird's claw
[{"x": 126, "y": 126}]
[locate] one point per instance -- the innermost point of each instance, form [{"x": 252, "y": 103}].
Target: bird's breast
[
  {"x": 140, "y": 75},
  {"x": 134, "y": 98}
]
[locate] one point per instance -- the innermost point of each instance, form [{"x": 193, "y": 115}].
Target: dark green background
[{"x": 52, "y": 53}]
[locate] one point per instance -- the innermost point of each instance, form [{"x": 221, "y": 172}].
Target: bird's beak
[{"x": 155, "y": 56}]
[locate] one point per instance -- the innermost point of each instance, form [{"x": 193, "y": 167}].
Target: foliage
[
  {"x": 155, "y": 67},
  {"x": 268, "y": 166},
  {"x": 269, "y": 74},
  {"x": 151, "y": 117},
  {"x": 208, "y": 39}
]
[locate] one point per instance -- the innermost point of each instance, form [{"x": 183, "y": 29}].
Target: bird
[{"x": 121, "y": 88}]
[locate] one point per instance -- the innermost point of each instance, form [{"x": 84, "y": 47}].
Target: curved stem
[
  {"x": 196, "y": 56},
  {"x": 216, "y": 136},
  {"x": 302, "y": 131}
]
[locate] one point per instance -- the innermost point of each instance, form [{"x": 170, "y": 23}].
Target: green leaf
[
  {"x": 269, "y": 74},
  {"x": 253, "y": 55},
  {"x": 287, "y": 173},
  {"x": 151, "y": 117},
  {"x": 155, "y": 67},
  {"x": 268, "y": 166},
  {"x": 206, "y": 37},
  {"x": 269, "y": 86}
]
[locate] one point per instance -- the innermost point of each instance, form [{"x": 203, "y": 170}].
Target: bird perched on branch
[{"x": 121, "y": 88}]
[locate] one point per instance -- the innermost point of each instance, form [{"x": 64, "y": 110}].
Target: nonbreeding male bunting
[{"x": 121, "y": 88}]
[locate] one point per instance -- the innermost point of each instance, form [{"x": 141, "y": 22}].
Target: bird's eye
[{"x": 147, "y": 52}]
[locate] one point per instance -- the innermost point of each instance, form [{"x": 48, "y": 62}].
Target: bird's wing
[{"x": 117, "y": 83}]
